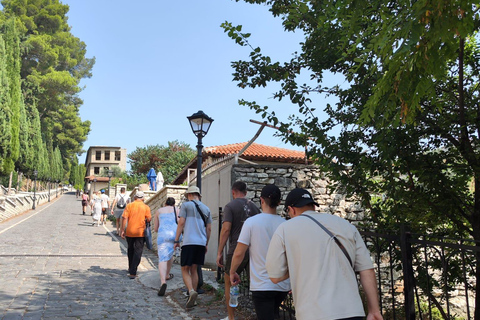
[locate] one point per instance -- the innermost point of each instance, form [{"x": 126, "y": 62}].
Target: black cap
[
  {"x": 298, "y": 198},
  {"x": 270, "y": 191}
]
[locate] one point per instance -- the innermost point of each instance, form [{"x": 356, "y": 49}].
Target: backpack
[{"x": 121, "y": 203}]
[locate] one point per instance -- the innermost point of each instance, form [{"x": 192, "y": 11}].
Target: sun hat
[
  {"x": 193, "y": 189},
  {"x": 139, "y": 194},
  {"x": 299, "y": 197}
]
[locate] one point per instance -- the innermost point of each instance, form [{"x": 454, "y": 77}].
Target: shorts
[
  {"x": 267, "y": 303},
  {"x": 192, "y": 254},
  {"x": 243, "y": 265},
  {"x": 104, "y": 211},
  {"x": 84, "y": 203}
]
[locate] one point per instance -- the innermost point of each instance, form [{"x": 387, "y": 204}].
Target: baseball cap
[
  {"x": 270, "y": 191},
  {"x": 102, "y": 191},
  {"x": 139, "y": 194},
  {"x": 299, "y": 197}
]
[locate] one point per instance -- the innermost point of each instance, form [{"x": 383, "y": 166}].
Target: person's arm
[
  {"x": 369, "y": 284},
  {"x": 224, "y": 234},
  {"x": 124, "y": 221},
  {"x": 181, "y": 225},
  {"x": 237, "y": 259},
  {"x": 209, "y": 231},
  {"x": 113, "y": 204},
  {"x": 277, "y": 280},
  {"x": 156, "y": 223}
]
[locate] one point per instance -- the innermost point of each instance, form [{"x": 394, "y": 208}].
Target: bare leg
[
  {"x": 187, "y": 278},
  {"x": 231, "y": 310},
  {"x": 169, "y": 266},
  {"x": 194, "y": 274},
  {"x": 162, "y": 268}
]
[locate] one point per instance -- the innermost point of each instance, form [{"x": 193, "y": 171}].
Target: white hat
[
  {"x": 193, "y": 189},
  {"x": 139, "y": 194}
]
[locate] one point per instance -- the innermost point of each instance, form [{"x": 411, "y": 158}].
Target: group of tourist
[{"x": 316, "y": 256}]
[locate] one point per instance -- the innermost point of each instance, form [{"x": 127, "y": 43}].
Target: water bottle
[
  {"x": 234, "y": 293},
  {"x": 177, "y": 252}
]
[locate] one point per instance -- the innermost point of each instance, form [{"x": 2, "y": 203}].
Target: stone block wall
[
  {"x": 288, "y": 177},
  {"x": 13, "y": 205}
]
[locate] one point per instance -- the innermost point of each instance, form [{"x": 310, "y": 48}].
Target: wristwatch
[{"x": 176, "y": 241}]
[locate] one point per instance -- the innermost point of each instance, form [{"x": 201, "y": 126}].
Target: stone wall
[
  {"x": 13, "y": 205},
  {"x": 288, "y": 177}
]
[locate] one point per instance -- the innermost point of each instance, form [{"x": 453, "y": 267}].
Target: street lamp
[
  {"x": 110, "y": 174},
  {"x": 35, "y": 173},
  {"x": 49, "y": 189},
  {"x": 200, "y": 124},
  {"x": 94, "y": 185}
]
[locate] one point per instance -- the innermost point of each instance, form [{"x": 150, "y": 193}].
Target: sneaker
[
  {"x": 132, "y": 276},
  {"x": 162, "y": 290},
  {"x": 191, "y": 300}
]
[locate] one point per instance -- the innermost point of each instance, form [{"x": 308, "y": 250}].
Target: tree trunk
[{"x": 10, "y": 183}]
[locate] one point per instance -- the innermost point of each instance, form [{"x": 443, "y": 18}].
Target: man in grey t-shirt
[{"x": 235, "y": 214}]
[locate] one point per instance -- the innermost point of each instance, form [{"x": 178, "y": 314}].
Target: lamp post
[
  {"x": 49, "y": 189},
  {"x": 94, "y": 185},
  {"x": 200, "y": 124},
  {"x": 35, "y": 173},
  {"x": 110, "y": 174}
]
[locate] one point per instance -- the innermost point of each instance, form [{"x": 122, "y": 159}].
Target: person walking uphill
[
  {"x": 254, "y": 239},
  {"x": 321, "y": 263},
  {"x": 235, "y": 214},
  {"x": 196, "y": 223},
  {"x": 119, "y": 204},
  {"x": 134, "y": 216}
]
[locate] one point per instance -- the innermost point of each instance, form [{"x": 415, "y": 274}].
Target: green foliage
[
  {"x": 170, "y": 160},
  {"x": 51, "y": 65},
  {"x": 403, "y": 136}
]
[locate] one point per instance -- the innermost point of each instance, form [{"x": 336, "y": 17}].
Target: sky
[{"x": 158, "y": 62}]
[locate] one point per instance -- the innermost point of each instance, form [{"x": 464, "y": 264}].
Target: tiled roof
[{"x": 257, "y": 152}]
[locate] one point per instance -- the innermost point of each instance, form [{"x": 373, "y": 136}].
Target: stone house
[{"x": 258, "y": 165}]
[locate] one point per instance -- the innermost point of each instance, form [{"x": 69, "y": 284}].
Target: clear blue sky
[{"x": 158, "y": 62}]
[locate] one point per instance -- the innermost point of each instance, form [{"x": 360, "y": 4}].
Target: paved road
[{"x": 55, "y": 265}]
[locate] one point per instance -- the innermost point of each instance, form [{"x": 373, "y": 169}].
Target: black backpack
[{"x": 121, "y": 203}]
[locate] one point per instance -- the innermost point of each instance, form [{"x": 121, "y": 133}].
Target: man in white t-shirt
[
  {"x": 257, "y": 231},
  {"x": 105, "y": 205},
  {"x": 322, "y": 274}
]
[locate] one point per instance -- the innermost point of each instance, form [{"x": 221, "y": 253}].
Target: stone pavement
[{"x": 55, "y": 265}]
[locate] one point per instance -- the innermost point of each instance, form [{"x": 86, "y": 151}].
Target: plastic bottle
[
  {"x": 234, "y": 293},
  {"x": 177, "y": 252}
]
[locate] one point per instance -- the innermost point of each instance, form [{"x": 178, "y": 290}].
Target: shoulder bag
[{"x": 148, "y": 235}]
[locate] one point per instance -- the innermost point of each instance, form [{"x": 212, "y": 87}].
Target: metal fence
[{"x": 419, "y": 276}]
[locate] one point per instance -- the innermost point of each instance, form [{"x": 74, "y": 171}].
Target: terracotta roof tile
[{"x": 256, "y": 152}]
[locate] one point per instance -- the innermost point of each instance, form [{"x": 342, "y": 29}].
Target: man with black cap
[
  {"x": 320, "y": 254},
  {"x": 134, "y": 217}
]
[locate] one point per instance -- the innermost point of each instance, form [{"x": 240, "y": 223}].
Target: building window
[
  {"x": 117, "y": 155},
  {"x": 96, "y": 170},
  {"x": 98, "y": 155},
  {"x": 107, "y": 155}
]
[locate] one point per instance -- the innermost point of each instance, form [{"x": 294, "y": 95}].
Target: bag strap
[
  {"x": 204, "y": 218},
  {"x": 175, "y": 213},
  {"x": 340, "y": 245}
]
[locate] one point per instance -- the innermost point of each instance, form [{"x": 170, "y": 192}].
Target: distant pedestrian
[
  {"x": 235, "y": 214},
  {"x": 105, "y": 205},
  {"x": 84, "y": 202},
  {"x": 96, "y": 207},
  {"x": 196, "y": 222},
  {"x": 77, "y": 193},
  {"x": 118, "y": 206},
  {"x": 165, "y": 224},
  {"x": 134, "y": 217},
  {"x": 254, "y": 238},
  {"x": 321, "y": 254}
]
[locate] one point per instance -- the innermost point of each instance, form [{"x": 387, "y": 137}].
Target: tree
[
  {"x": 407, "y": 119},
  {"x": 52, "y": 65},
  {"x": 170, "y": 160}
]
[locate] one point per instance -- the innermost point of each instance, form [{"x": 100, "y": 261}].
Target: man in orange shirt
[{"x": 134, "y": 217}]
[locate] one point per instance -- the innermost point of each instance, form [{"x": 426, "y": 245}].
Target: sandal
[{"x": 170, "y": 276}]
